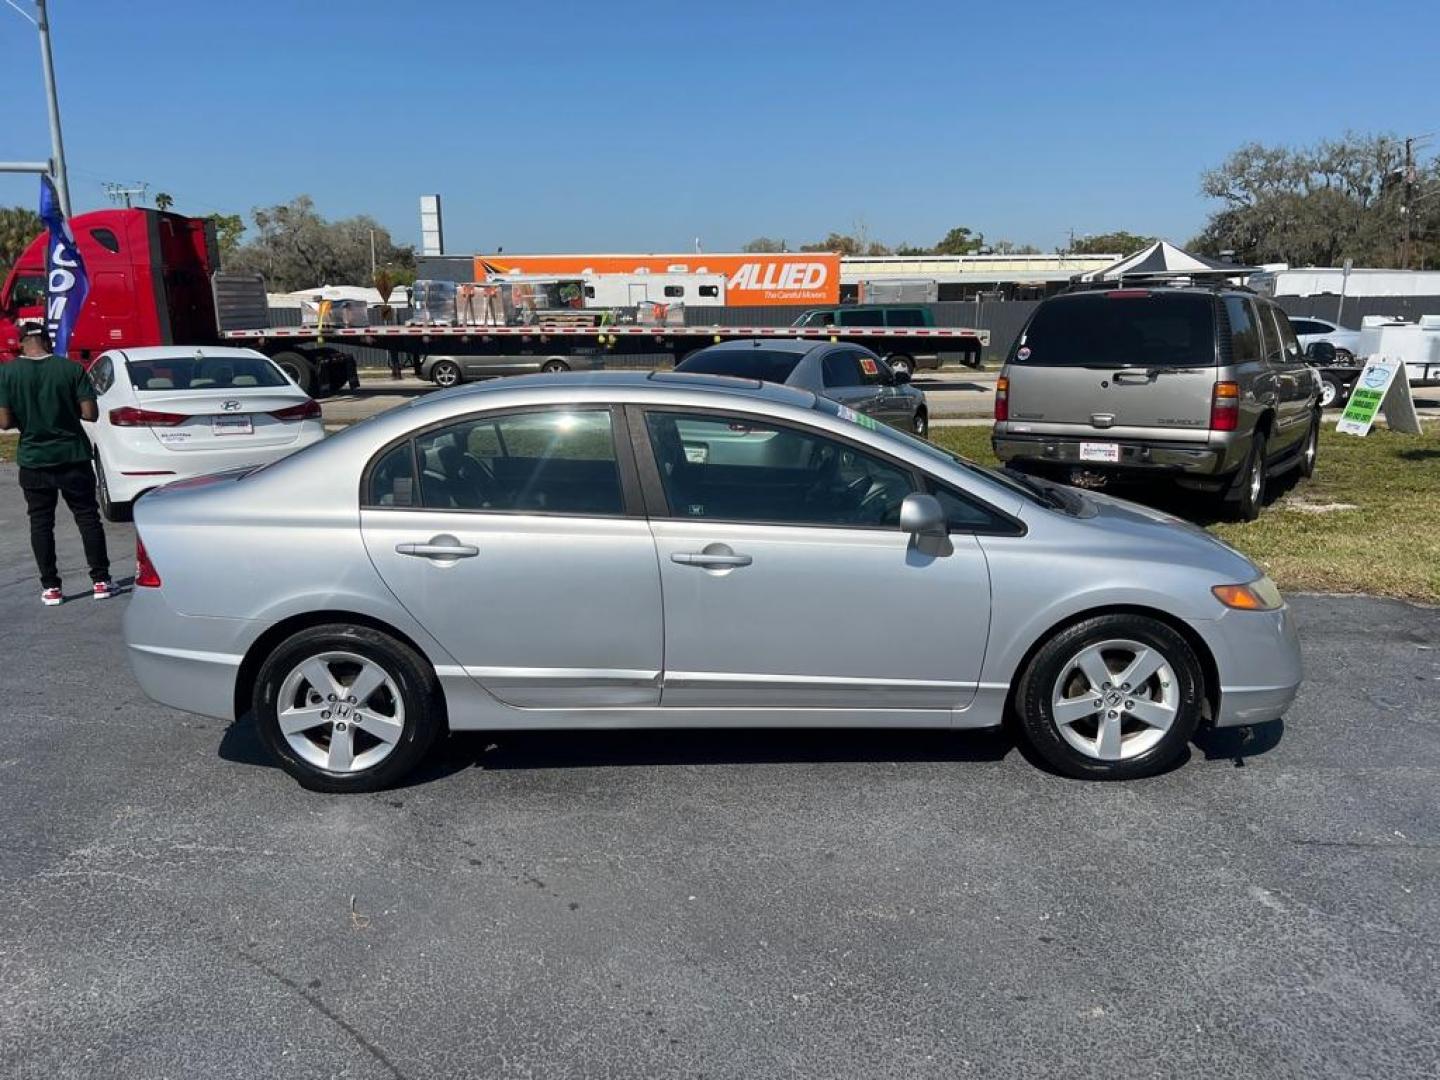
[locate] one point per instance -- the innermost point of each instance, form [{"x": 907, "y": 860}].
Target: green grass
[
  {"x": 1387, "y": 542},
  {"x": 7, "y": 447}
]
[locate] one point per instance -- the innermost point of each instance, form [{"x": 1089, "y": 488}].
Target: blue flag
[{"x": 66, "y": 283}]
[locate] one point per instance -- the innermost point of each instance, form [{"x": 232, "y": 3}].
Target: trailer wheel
[
  {"x": 901, "y": 362},
  {"x": 298, "y": 367},
  {"x": 1332, "y": 392}
]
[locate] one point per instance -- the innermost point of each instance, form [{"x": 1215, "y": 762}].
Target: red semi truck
[{"x": 155, "y": 279}]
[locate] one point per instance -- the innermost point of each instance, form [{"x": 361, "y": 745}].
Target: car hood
[{"x": 1156, "y": 536}]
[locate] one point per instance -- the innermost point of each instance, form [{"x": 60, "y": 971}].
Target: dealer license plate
[
  {"x": 1100, "y": 451},
  {"x": 233, "y": 425}
]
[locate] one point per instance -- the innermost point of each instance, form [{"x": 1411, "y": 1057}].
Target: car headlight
[{"x": 1258, "y": 595}]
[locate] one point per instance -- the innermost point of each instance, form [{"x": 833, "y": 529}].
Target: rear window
[
  {"x": 767, "y": 365},
  {"x": 204, "y": 373},
  {"x": 1124, "y": 328}
]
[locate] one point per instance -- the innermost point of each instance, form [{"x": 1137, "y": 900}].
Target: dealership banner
[
  {"x": 66, "y": 283},
  {"x": 792, "y": 277},
  {"x": 1383, "y": 385}
]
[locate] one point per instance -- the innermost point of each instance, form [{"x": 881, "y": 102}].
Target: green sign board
[{"x": 1367, "y": 396}]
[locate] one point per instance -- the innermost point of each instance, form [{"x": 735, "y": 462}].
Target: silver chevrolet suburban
[{"x": 1202, "y": 385}]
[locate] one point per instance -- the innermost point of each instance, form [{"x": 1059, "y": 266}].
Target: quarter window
[
  {"x": 1289, "y": 343},
  {"x": 1269, "y": 338},
  {"x": 549, "y": 462},
  {"x": 1245, "y": 340},
  {"x": 392, "y": 480},
  {"x": 737, "y": 469},
  {"x": 102, "y": 375}
]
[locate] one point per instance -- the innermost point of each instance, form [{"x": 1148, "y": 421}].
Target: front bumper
[
  {"x": 1136, "y": 456},
  {"x": 1257, "y": 657}
]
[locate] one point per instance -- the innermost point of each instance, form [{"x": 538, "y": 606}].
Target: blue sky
[{"x": 637, "y": 127}]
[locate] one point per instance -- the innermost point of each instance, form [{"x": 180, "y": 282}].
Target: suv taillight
[
  {"x": 146, "y": 576},
  {"x": 306, "y": 410},
  {"x": 1225, "y": 407},
  {"x": 129, "y": 416},
  {"x": 1002, "y": 398}
]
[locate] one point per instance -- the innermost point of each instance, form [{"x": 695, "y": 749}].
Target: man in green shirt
[{"x": 46, "y": 397}]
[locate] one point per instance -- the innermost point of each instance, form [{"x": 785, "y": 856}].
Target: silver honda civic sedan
[{"x": 627, "y": 550}]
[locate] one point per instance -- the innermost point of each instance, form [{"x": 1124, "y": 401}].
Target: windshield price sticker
[{"x": 1367, "y": 397}]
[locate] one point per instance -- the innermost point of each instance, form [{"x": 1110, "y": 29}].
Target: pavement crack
[{"x": 324, "y": 1010}]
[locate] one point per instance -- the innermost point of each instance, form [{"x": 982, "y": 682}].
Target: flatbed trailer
[{"x": 414, "y": 341}]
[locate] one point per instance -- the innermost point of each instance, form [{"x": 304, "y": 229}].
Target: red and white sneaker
[
  {"x": 52, "y": 598},
  {"x": 104, "y": 590}
]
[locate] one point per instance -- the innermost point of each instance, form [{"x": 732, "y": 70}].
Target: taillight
[
  {"x": 146, "y": 576},
  {"x": 1002, "y": 398},
  {"x": 308, "y": 409},
  {"x": 1225, "y": 407},
  {"x": 129, "y": 416}
]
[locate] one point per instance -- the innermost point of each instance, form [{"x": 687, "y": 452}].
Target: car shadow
[{"x": 1238, "y": 744}]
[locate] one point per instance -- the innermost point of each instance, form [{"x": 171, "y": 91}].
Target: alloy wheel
[
  {"x": 1115, "y": 700},
  {"x": 446, "y": 375},
  {"x": 341, "y": 712}
]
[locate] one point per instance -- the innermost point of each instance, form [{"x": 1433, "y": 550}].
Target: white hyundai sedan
[{"x": 172, "y": 412}]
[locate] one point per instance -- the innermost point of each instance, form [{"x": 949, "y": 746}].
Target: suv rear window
[
  {"x": 1121, "y": 328},
  {"x": 764, "y": 364}
]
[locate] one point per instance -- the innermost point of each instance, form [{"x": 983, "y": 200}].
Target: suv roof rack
[{"x": 1158, "y": 281}]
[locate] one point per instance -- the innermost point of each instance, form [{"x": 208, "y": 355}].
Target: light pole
[{"x": 41, "y": 21}]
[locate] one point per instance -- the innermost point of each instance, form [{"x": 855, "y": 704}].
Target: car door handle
[
  {"x": 439, "y": 548},
  {"x": 700, "y": 558}
]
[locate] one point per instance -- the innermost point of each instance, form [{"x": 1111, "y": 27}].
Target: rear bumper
[
  {"x": 1136, "y": 456},
  {"x": 1257, "y": 656},
  {"x": 184, "y": 661}
]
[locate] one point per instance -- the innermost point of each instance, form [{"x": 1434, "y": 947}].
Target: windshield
[
  {"x": 1120, "y": 328},
  {"x": 205, "y": 373},
  {"x": 767, "y": 365},
  {"x": 930, "y": 450}
]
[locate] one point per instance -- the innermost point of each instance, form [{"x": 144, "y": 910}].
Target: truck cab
[{"x": 149, "y": 277}]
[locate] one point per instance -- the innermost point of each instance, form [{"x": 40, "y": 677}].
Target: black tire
[
  {"x": 1250, "y": 484},
  {"x": 413, "y": 677},
  {"x": 1332, "y": 392},
  {"x": 920, "y": 425},
  {"x": 447, "y": 373},
  {"x": 1310, "y": 448},
  {"x": 554, "y": 367},
  {"x": 901, "y": 362},
  {"x": 111, "y": 511},
  {"x": 1037, "y": 683},
  {"x": 299, "y": 368}
]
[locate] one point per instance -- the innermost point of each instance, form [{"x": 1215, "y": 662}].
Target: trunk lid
[{"x": 224, "y": 419}]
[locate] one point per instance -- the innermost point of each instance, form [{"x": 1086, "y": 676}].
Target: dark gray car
[
  {"x": 849, "y": 374},
  {"x": 1203, "y": 385}
]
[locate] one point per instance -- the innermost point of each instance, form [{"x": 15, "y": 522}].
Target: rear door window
[
  {"x": 1289, "y": 343},
  {"x": 1270, "y": 338},
  {"x": 1120, "y": 328},
  {"x": 905, "y": 317}
]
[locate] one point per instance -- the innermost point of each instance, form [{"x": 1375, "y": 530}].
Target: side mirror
[
  {"x": 899, "y": 376},
  {"x": 922, "y": 515},
  {"x": 1320, "y": 352}
]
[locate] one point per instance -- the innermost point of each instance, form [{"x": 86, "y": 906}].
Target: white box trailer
[
  {"x": 1417, "y": 344},
  {"x": 632, "y": 290}
]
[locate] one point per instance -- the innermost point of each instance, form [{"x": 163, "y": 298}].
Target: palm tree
[{"x": 163, "y": 201}]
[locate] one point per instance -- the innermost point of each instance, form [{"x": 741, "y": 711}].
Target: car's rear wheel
[
  {"x": 346, "y": 708},
  {"x": 554, "y": 367},
  {"x": 1311, "y": 448},
  {"x": 109, "y": 508},
  {"x": 901, "y": 362},
  {"x": 447, "y": 373},
  {"x": 1250, "y": 484},
  {"x": 1115, "y": 697}
]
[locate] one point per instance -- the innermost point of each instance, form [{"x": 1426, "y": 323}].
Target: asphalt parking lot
[{"x": 713, "y": 904}]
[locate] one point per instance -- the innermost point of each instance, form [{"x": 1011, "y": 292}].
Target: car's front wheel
[
  {"x": 447, "y": 373},
  {"x": 346, "y": 708},
  {"x": 1115, "y": 697},
  {"x": 899, "y": 362}
]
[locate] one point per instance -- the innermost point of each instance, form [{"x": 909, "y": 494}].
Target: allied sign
[
  {"x": 1382, "y": 384},
  {"x": 795, "y": 277}
]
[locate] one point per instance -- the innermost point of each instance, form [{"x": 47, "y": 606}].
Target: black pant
[{"x": 42, "y": 488}]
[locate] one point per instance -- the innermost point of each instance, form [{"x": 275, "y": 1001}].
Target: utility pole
[
  {"x": 119, "y": 194},
  {"x": 1408, "y": 189},
  {"x": 57, "y": 144}
]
